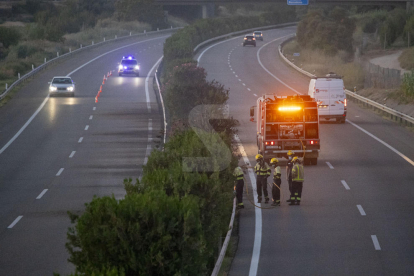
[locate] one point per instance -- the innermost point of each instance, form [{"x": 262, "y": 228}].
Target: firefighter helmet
[
  {"x": 295, "y": 159},
  {"x": 274, "y": 161},
  {"x": 290, "y": 153},
  {"x": 259, "y": 156}
]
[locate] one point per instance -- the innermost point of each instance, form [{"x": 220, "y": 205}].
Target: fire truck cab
[{"x": 287, "y": 123}]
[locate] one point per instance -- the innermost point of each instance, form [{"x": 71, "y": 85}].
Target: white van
[{"x": 329, "y": 92}]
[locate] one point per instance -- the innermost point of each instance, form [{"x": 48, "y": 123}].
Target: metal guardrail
[
  {"x": 44, "y": 65},
  {"x": 394, "y": 114},
  {"x": 208, "y": 41}
]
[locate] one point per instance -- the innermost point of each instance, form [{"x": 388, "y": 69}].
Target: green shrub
[
  {"x": 409, "y": 30},
  {"x": 393, "y": 26},
  {"x": 406, "y": 59},
  {"x": 9, "y": 36},
  {"x": 407, "y": 85}
]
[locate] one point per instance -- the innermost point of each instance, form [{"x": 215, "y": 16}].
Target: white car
[
  {"x": 62, "y": 86},
  {"x": 329, "y": 92}
]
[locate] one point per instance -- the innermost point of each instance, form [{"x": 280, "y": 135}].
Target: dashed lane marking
[
  {"x": 86, "y": 127},
  {"x": 361, "y": 210},
  {"x": 255, "y": 95},
  {"x": 90, "y": 117},
  {"x": 329, "y": 165},
  {"x": 72, "y": 154},
  {"x": 345, "y": 185},
  {"x": 249, "y": 89},
  {"x": 94, "y": 108},
  {"x": 15, "y": 222},
  {"x": 376, "y": 242},
  {"x": 80, "y": 140},
  {"x": 42, "y": 194},
  {"x": 244, "y": 84},
  {"x": 60, "y": 172}
]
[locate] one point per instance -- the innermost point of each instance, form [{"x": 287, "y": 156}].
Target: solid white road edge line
[
  {"x": 42, "y": 194},
  {"x": 72, "y": 154},
  {"x": 60, "y": 172},
  {"x": 329, "y": 165},
  {"x": 254, "y": 264},
  {"x": 345, "y": 185},
  {"x": 146, "y": 84},
  {"x": 80, "y": 140},
  {"x": 15, "y": 222},
  {"x": 47, "y": 97},
  {"x": 264, "y": 68},
  {"x": 202, "y": 53},
  {"x": 148, "y": 152},
  {"x": 361, "y": 210},
  {"x": 376, "y": 243},
  {"x": 382, "y": 142}
]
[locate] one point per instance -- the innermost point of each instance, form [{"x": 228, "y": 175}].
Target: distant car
[
  {"x": 258, "y": 35},
  {"x": 128, "y": 65},
  {"x": 249, "y": 40},
  {"x": 62, "y": 86}
]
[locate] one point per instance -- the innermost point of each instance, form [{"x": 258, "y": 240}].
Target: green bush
[
  {"x": 9, "y": 36},
  {"x": 393, "y": 26},
  {"x": 409, "y": 30},
  {"x": 406, "y": 59},
  {"x": 407, "y": 85}
]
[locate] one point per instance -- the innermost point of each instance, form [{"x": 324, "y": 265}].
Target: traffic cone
[
  {"x": 103, "y": 82},
  {"x": 96, "y": 99},
  {"x": 110, "y": 73},
  {"x": 100, "y": 89}
]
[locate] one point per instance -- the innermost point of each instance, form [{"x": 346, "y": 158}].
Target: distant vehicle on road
[
  {"x": 258, "y": 35},
  {"x": 249, "y": 40},
  {"x": 62, "y": 86},
  {"x": 329, "y": 93},
  {"x": 128, "y": 65}
]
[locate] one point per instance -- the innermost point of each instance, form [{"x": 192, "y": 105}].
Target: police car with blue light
[{"x": 128, "y": 65}]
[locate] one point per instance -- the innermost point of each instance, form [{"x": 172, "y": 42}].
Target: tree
[
  {"x": 9, "y": 36},
  {"x": 140, "y": 10}
]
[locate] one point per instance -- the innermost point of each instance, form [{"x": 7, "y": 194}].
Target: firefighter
[
  {"x": 297, "y": 181},
  {"x": 238, "y": 186},
  {"x": 289, "y": 171},
  {"x": 262, "y": 171},
  {"x": 277, "y": 181}
]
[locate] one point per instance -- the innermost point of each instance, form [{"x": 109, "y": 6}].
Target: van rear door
[
  {"x": 336, "y": 97},
  {"x": 322, "y": 96}
]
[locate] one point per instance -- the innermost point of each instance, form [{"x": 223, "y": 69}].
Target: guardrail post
[
  {"x": 32, "y": 67},
  {"x": 145, "y": 31},
  {"x": 104, "y": 39},
  {"x": 116, "y": 36},
  {"x": 6, "y": 86},
  {"x": 171, "y": 27},
  {"x": 81, "y": 46},
  {"x": 18, "y": 75},
  {"x": 92, "y": 42},
  {"x": 130, "y": 33},
  {"x": 57, "y": 54},
  {"x": 45, "y": 60},
  {"x": 70, "y": 50},
  {"x": 158, "y": 29}
]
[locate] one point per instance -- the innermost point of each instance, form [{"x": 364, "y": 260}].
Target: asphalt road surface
[
  {"x": 72, "y": 149},
  {"x": 357, "y": 203}
]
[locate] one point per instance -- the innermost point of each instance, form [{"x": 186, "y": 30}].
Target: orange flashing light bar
[{"x": 289, "y": 108}]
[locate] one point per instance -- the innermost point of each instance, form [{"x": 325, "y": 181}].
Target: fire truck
[{"x": 287, "y": 123}]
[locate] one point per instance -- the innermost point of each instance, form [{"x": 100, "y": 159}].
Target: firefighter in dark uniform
[
  {"x": 298, "y": 176},
  {"x": 277, "y": 181},
  {"x": 262, "y": 171},
  {"x": 289, "y": 171},
  {"x": 238, "y": 186}
]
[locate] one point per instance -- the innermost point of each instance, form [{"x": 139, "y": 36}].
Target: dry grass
[
  {"x": 406, "y": 59},
  {"x": 106, "y": 28},
  {"x": 317, "y": 63}
]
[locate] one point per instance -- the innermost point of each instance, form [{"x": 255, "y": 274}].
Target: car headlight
[
  {"x": 121, "y": 67},
  {"x": 70, "y": 88},
  {"x": 52, "y": 88},
  {"x": 137, "y": 67},
  {"x": 125, "y": 67}
]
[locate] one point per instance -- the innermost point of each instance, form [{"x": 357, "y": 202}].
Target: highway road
[
  {"x": 357, "y": 203},
  {"x": 57, "y": 153}
]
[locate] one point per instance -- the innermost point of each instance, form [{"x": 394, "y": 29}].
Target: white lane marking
[
  {"x": 244, "y": 84},
  {"x": 261, "y": 64},
  {"x": 329, "y": 165},
  {"x": 72, "y": 154},
  {"x": 24, "y": 126},
  {"x": 382, "y": 142},
  {"x": 112, "y": 52},
  {"x": 47, "y": 97},
  {"x": 255, "y": 95},
  {"x": 234, "y": 72},
  {"x": 258, "y": 213},
  {"x": 239, "y": 79},
  {"x": 361, "y": 210},
  {"x": 90, "y": 117},
  {"x": 345, "y": 185},
  {"x": 42, "y": 194},
  {"x": 146, "y": 84},
  {"x": 60, "y": 172},
  {"x": 202, "y": 53},
  {"x": 357, "y": 116},
  {"x": 249, "y": 89},
  {"x": 86, "y": 127},
  {"x": 94, "y": 108},
  {"x": 148, "y": 152},
  {"x": 80, "y": 140},
  {"x": 376, "y": 242},
  {"x": 236, "y": 76},
  {"x": 15, "y": 222}
]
